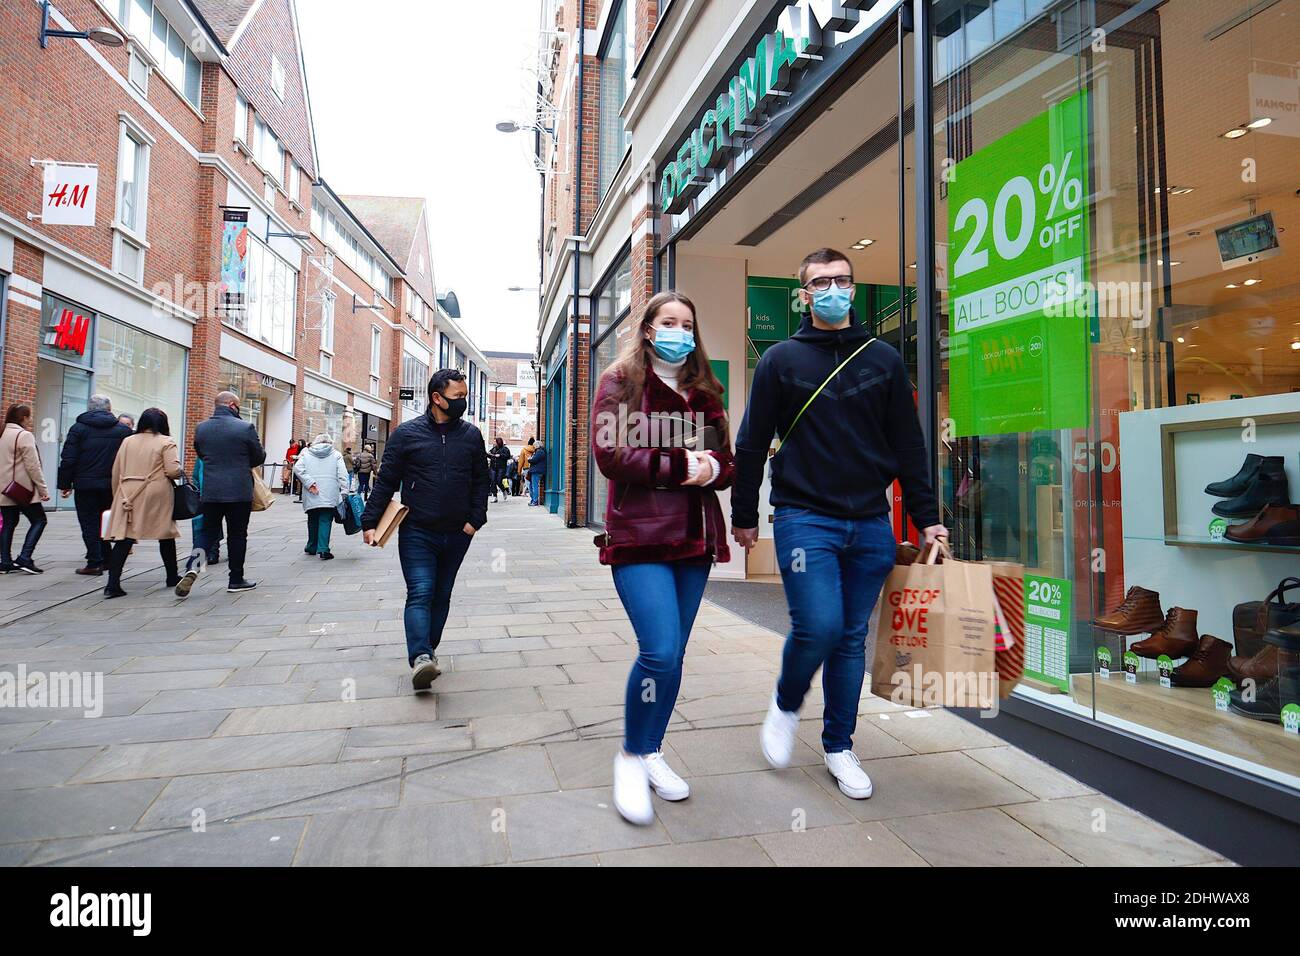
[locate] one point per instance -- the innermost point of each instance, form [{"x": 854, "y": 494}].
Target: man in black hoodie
[
  {"x": 86, "y": 467},
  {"x": 439, "y": 464},
  {"x": 857, "y": 431}
]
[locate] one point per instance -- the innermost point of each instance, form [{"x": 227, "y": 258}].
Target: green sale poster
[{"x": 1019, "y": 303}]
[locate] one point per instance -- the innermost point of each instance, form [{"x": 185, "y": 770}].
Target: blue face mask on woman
[
  {"x": 673, "y": 345},
  {"x": 833, "y": 304}
]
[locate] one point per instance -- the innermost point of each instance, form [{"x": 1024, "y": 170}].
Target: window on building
[
  {"x": 509, "y": 400},
  {"x": 523, "y": 401},
  {"x": 267, "y": 149},
  {"x": 482, "y": 395},
  {"x": 295, "y": 181},
  {"x": 616, "y": 63},
  {"x": 318, "y": 219},
  {"x": 132, "y": 202},
  {"x": 241, "y": 118},
  {"x": 327, "y": 323},
  {"x": 277, "y": 77},
  {"x": 415, "y": 376},
  {"x": 138, "y": 71},
  {"x": 327, "y": 364},
  {"x": 376, "y": 347},
  {"x": 444, "y": 351},
  {"x": 271, "y": 298},
  {"x": 165, "y": 44},
  {"x": 472, "y": 383}
]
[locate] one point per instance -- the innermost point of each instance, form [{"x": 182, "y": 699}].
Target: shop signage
[
  {"x": 69, "y": 332},
  {"x": 234, "y": 261},
  {"x": 1276, "y": 98},
  {"x": 1020, "y": 309},
  {"x": 804, "y": 31},
  {"x": 68, "y": 195},
  {"x": 1047, "y": 630},
  {"x": 406, "y": 394},
  {"x": 525, "y": 375}
]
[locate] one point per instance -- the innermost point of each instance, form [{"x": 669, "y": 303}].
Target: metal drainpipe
[{"x": 572, "y": 491}]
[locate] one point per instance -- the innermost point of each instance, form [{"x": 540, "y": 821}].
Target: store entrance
[{"x": 62, "y": 393}]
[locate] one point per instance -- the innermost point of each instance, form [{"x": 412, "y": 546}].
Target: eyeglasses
[{"x": 822, "y": 283}]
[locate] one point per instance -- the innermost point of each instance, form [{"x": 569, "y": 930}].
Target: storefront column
[
  {"x": 23, "y": 324},
  {"x": 923, "y": 164}
]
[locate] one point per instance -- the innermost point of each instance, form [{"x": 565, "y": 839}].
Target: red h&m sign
[
  {"x": 68, "y": 198},
  {"x": 69, "y": 332}
]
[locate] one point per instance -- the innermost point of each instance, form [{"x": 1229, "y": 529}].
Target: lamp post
[{"x": 101, "y": 35}]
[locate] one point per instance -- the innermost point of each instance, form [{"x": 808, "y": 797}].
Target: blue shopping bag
[{"x": 349, "y": 510}]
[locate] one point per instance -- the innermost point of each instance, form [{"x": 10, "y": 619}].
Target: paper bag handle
[{"x": 939, "y": 544}]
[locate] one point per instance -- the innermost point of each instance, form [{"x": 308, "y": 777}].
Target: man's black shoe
[
  {"x": 241, "y": 585},
  {"x": 28, "y": 566}
]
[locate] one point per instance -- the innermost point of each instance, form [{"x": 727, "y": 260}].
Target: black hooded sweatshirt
[{"x": 858, "y": 436}]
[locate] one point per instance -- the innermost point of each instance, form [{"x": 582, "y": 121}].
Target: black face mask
[{"x": 455, "y": 407}]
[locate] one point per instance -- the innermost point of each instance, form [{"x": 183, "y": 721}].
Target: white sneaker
[
  {"x": 424, "y": 672},
  {"x": 663, "y": 779},
  {"x": 632, "y": 790},
  {"x": 848, "y": 773},
  {"x": 777, "y": 735}
]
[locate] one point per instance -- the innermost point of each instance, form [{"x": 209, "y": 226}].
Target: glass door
[{"x": 62, "y": 393}]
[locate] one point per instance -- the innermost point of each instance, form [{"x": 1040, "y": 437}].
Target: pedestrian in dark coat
[{"x": 86, "y": 467}]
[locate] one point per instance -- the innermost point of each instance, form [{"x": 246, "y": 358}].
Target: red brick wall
[{"x": 24, "y": 325}]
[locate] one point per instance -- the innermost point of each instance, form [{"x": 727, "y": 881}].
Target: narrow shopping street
[{"x": 227, "y": 735}]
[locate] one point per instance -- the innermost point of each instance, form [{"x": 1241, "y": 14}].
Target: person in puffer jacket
[{"x": 324, "y": 477}]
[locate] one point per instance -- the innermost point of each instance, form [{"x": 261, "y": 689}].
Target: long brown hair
[
  {"x": 630, "y": 367},
  {"x": 17, "y": 414}
]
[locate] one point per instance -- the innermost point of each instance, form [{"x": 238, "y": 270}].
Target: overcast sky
[{"x": 405, "y": 95}]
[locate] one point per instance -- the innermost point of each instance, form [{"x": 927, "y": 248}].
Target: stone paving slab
[{"x": 285, "y": 715}]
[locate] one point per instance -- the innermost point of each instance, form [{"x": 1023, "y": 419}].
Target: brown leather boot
[
  {"x": 1272, "y": 522},
  {"x": 1258, "y": 668},
  {"x": 1139, "y": 613},
  {"x": 1176, "y": 637},
  {"x": 1207, "y": 664}
]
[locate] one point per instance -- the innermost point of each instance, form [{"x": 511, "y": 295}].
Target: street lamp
[{"x": 101, "y": 35}]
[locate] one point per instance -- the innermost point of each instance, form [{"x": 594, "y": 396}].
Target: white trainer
[
  {"x": 632, "y": 790},
  {"x": 777, "y": 735},
  {"x": 848, "y": 773},
  {"x": 663, "y": 779}
]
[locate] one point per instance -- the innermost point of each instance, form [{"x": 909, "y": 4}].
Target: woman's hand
[
  {"x": 314, "y": 489},
  {"x": 705, "y": 470}
]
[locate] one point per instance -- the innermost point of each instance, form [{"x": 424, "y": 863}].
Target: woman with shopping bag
[
  {"x": 144, "y": 498},
  {"x": 23, "y": 484},
  {"x": 323, "y": 474}
]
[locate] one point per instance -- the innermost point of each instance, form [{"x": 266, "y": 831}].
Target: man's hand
[
  {"x": 745, "y": 537},
  {"x": 934, "y": 532},
  {"x": 65, "y": 493},
  {"x": 469, "y": 529},
  {"x": 314, "y": 489},
  {"x": 369, "y": 536}
]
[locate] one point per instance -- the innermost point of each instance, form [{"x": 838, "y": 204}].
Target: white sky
[{"x": 405, "y": 95}]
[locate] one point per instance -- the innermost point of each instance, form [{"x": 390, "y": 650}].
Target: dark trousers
[
  {"x": 35, "y": 515},
  {"x": 91, "y": 504},
  {"x": 363, "y": 483},
  {"x": 495, "y": 476},
  {"x": 430, "y": 560},
  {"x": 320, "y": 522},
  {"x": 235, "y": 515},
  {"x": 117, "y": 560}
]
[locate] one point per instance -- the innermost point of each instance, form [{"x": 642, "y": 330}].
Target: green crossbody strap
[{"x": 839, "y": 368}]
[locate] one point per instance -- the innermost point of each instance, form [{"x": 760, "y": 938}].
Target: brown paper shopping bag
[
  {"x": 935, "y": 635},
  {"x": 1009, "y": 590}
]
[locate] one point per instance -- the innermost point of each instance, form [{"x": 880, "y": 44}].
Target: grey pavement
[{"x": 277, "y": 727}]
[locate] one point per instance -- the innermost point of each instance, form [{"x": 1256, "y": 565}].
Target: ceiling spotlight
[
  {"x": 911, "y": 265},
  {"x": 1133, "y": 349},
  {"x": 1175, "y": 262},
  {"x": 1259, "y": 123},
  {"x": 865, "y": 242},
  {"x": 1235, "y": 133},
  {"x": 1180, "y": 190},
  {"x": 1252, "y": 281},
  {"x": 1295, "y": 346},
  {"x": 1231, "y": 285},
  {"x": 1180, "y": 340},
  {"x": 857, "y": 247}
]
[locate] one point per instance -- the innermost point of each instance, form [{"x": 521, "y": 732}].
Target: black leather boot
[
  {"x": 1231, "y": 487},
  {"x": 1267, "y": 487}
]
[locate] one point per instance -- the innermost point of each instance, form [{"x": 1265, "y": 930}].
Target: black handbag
[{"x": 185, "y": 499}]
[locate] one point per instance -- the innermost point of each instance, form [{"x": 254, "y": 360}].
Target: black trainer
[
  {"x": 241, "y": 585},
  {"x": 28, "y": 566}
]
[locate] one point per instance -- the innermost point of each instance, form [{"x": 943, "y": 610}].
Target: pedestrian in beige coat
[
  {"x": 20, "y": 463},
  {"x": 143, "y": 498}
]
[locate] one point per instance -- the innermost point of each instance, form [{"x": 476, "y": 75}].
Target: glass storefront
[
  {"x": 1119, "y": 353},
  {"x": 610, "y": 304},
  {"x": 265, "y": 401},
  {"x": 138, "y": 371},
  {"x": 321, "y": 416}
]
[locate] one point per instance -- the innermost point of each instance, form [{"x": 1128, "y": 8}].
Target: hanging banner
[
  {"x": 1019, "y": 301},
  {"x": 68, "y": 196},
  {"x": 234, "y": 262}
]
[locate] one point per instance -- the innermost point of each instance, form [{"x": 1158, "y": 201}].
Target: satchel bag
[
  {"x": 14, "y": 491},
  {"x": 186, "y": 503},
  {"x": 262, "y": 497},
  {"x": 1251, "y": 620}
]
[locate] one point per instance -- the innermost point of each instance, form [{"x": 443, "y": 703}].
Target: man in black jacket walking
[
  {"x": 86, "y": 467},
  {"x": 439, "y": 463},
  {"x": 230, "y": 450},
  {"x": 842, "y": 404}
]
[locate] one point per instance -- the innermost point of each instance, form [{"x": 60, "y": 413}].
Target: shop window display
[{"x": 1119, "y": 385}]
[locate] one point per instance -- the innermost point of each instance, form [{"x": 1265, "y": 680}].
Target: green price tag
[
  {"x": 1221, "y": 692},
  {"x": 1047, "y": 630},
  {"x": 1291, "y": 718},
  {"x": 1166, "y": 665},
  {"x": 1103, "y": 661},
  {"x": 1021, "y": 306},
  {"x": 1131, "y": 662}
]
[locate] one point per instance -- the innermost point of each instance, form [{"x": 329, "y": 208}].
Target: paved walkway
[{"x": 278, "y": 727}]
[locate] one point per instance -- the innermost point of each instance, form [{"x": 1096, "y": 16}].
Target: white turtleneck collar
[{"x": 668, "y": 372}]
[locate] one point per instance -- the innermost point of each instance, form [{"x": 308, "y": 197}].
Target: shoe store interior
[{"x": 1152, "y": 494}]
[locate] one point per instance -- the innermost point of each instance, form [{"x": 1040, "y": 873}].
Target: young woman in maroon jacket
[{"x": 663, "y": 525}]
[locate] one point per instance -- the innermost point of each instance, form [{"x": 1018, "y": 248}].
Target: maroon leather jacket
[{"x": 649, "y": 514}]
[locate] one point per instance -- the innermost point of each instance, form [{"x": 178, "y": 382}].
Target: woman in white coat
[{"x": 324, "y": 477}]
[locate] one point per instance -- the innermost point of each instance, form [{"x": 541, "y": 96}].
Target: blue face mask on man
[
  {"x": 832, "y": 305},
  {"x": 673, "y": 345}
]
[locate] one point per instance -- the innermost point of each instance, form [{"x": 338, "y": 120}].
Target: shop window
[
  {"x": 616, "y": 63},
  {"x": 271, "y": 298},
  {"x": 138, "y": 371},
  {"x": 1134, "y": 439}
]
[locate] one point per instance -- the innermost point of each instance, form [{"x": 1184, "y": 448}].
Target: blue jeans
[
  {"x": 534, "y": 487},
  {"x": 661, "y": 601},
  {"x": 833, "y": 570},
  {"x": 430, "y": 560}
]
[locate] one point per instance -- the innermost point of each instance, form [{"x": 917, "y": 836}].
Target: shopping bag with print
[
  {"x": 1009, "y": 645},
  {"x": 935, "y": 632}
]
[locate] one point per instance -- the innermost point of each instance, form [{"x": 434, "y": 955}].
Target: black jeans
[
  {"x": 35, "y": 515},
  {"x": 235, "y": 515},
  {"x": 117, "y": 560},
  {"x": 91, "y": 504},
  {"x": 363, "y": 483}
]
